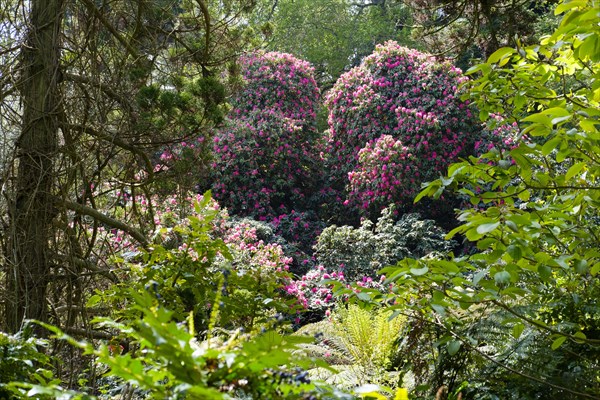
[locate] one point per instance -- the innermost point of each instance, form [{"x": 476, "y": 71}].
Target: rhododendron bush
[
  {"x": 262, "y": 166},
  {"x": 277, "y": 81},
  {"x": 361, "y": 252},
  {"x": 266, "y": 160},
  {"x": 394, "y": 122}
]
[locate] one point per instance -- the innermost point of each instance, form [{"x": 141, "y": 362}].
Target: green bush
[{"x": 361, "y": 252}]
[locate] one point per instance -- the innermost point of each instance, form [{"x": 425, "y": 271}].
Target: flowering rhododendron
[
  {"x": 299, "y": 228},
  {"x": 394, "y": 122},
  {"x": 265, "y": 156},
  {"x": 277, "y": 81},
  {"x": 314, "y": 291}
]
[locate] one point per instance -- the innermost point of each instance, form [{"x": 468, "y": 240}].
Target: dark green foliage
[
  {"x": 523, "y": 308},
  {"x": 167, "y": 361},
  {"x": 19, "y": 361},
  {"x": 363, "y": 251}
]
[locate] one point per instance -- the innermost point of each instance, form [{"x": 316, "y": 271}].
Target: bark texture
[{"x": 27, "y": 255}]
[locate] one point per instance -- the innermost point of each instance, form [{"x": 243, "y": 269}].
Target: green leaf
[
  {"x": 502, "y": 277},
  {"x": 574, "y": 170},
  {"x": 514, "y": 252},
  {"x": 525, "y": 195},
  {"x": 558, "y": 342},
  {"x": 93, "y": 300},
  {"x": 566, "y": 6},
  {"x": 545, "y": 272},
  {"x": 363, "y": 296},
  {"x": 438, "y": 296},
  {"x": 580, "y": 336},
  {"x": 558, "y": 120},
  {"x": 595, "y": 269},
  {"x": 453, "y": 346},
  {"x": 551, "y": 145},
  {"x": 512, "y": 226},
  {"x": 590, "y": 48},
  {"x": 487, "y": 227},
  {"x": 431, "y": 188},
  {"x": 581, "y": 266},
  {"x": 517, "y": 330},
  {"x": 419, "y": 271},
  {"x": 453, "y": 232},
  {"x": 539, "y": 118},
  {"x": 500, "y": 54}
]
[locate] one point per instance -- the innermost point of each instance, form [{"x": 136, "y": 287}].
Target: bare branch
[
  {"x": 90, "y": 5},
  {"x": 85, "y": 210}
]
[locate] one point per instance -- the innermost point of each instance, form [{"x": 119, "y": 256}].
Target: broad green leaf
[
  {"x": 581, "y": 336},
  {"x": 558, "y": 342},
  {"x": 453, "y": 346},
  {"x": 517, "y": 330},
  {"x": 581, "y": 266},
  {"x": 500, "y": 54},
  {"x": 550, "y": 145},
  {"x": 427, "y": 191},
  {"x": 419, "y": 271},
  {"x": 574, "y": 170},
  {"x": 487, "y": 227},
  {"x": 438, "y": 296},
  {"x": 472, "y": 235},
  {"x": 525, "y": 195},
  {"x": 502, "y": 277},
  {"x": 539, "y": 118},
  {"x": 93, "y": 300},
  {"x": 558, "y": 120},
  {"x": 568, "y": 5},
  {"x": 512, "y": 226},
  {"x": 454, "y": 231},
  {"x": 590, "y": 48},
  {"x": 545, "y": 272},
  {"x": 514, "y": 252},
  {"x": 363, "y": 296}
]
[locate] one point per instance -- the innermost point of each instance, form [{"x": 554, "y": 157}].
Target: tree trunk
[{"x": 27, "y": 262}]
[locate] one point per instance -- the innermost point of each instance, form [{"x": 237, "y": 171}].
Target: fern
[
  {"x": 359, "y": 343},
  {"x": 368, "y": 336}
]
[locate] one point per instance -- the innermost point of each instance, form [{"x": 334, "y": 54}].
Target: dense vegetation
[{"x": 193, "y": 210}]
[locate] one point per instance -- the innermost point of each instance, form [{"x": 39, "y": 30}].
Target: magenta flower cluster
[
  {"x": 314, "y": 291},
  {"x": 498, "y": 134},
  {"x": 278, "y": 82},
  {"x": 394, "y": 122},
  {"x": 299, "y": 228},
  {"x": 265, "y": 156}
]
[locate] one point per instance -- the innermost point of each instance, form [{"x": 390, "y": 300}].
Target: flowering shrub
[
  {"x": 350, "y": 258},
  {"x": 264, "y": 165},
  {"x": 299, "y": 228},
  {"x": 266, "y": 160},
  {"x": 277, "y": 81},
  {"x": 386, "y": 172},
  {"x": 314, "y": 291},
  {"x": 200, "y": 256},
  {"x": 394, "y": 122}
]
